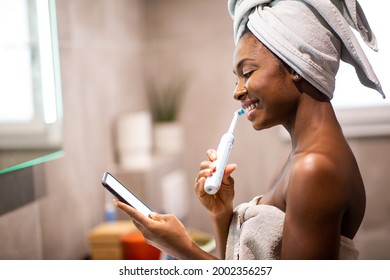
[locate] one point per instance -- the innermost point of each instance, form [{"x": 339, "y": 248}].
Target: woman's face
[{"x": 264, "y": 86}]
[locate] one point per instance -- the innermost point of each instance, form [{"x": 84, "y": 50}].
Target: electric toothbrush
[{"x": 213, "y": 182}]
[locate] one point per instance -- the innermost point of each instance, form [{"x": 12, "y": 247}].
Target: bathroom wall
[{"x": 106, "y": 45}]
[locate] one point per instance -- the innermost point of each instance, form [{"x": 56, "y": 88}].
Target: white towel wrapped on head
[{"x": 311, "y": 36}]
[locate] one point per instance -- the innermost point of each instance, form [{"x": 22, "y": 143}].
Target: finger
[
  {"x": 206, "y": 164},
  {"x": 230, "y": 168},
  {"x": 212, "y": 154},
  {"x": 204, "y": 173},
  {"x": 199, "y": 187},
  {"x": 157, "y": 217},
  {"x": 139, "y": 226},
  {"x": 132, "y": 212}
]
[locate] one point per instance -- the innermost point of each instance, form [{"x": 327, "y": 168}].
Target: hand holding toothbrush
[
  {"x": 220, "y": 203},
  {"x": 215, "y": 172}
]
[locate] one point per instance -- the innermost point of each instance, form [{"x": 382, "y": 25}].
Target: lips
[{"x": 250, "y": 107}]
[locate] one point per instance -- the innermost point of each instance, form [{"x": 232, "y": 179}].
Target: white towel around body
[{"x": 256, "y": 230}]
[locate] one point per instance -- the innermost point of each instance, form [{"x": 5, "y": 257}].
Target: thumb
[
  {"x": 155, "y": 216},
  {"x": 230, "y": 168}
]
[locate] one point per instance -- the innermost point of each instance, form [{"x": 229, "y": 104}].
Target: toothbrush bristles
[{"x": 240, "y": 111}]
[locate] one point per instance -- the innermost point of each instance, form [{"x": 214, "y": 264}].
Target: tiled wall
[{"x": 105, "y": 47}]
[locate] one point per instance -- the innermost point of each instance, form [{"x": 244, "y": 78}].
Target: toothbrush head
[{"x": 240, "y": 112}]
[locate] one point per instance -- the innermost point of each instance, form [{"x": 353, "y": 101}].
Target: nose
[{"x": 240, "y": 92}]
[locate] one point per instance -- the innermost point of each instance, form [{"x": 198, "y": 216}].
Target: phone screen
[{"x": 123, "y": 194}]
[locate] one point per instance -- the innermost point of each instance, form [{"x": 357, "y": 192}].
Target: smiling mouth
[
  {"x": 252, "y": 106},
  {"x": 249, "y": 106}
]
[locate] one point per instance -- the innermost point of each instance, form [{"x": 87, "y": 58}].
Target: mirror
[{"x": 30, "y": 88}]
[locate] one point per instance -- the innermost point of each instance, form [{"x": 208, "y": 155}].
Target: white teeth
[{"x": 252, "y": 106}]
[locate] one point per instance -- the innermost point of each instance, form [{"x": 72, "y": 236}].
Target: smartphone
[{"x": 123, "y": 194}]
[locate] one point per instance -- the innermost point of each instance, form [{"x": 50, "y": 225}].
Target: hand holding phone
[{"x": 123, "y": 194}]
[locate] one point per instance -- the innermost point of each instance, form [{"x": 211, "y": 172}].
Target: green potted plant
[{"x": 165, "y": 101}]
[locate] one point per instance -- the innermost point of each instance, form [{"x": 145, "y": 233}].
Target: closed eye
[{"x": 247, "y": 75}]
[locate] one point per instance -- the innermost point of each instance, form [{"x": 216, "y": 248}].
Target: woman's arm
[
  {"x": 221, "y": 230},
  {"x": 219, "y": 205},
  {"x": 166, "y": 233},
  {"x": 316, "y": 202}
]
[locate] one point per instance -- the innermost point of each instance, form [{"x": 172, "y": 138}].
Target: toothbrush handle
[{"x": 213, "y": 182}]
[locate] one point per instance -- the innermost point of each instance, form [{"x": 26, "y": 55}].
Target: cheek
[
  {"x": 258, "y": 85},
  {"x": 266, "y": 86}
]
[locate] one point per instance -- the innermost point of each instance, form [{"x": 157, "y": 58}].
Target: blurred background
[{"x": 117, "y": 60}]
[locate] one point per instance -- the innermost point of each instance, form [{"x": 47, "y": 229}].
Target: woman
[{"x": 286, "y": 58}]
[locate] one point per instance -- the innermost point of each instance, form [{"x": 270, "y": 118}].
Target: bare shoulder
[
  {"x": 316, "y": 201},
  {"x": 329, "y": 187},
  {"x": 319, "y": 182}
]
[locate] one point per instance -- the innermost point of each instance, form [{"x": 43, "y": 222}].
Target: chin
[
  {"x": 258, "y": 127},
  {"x": 261, "y": 126}
]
